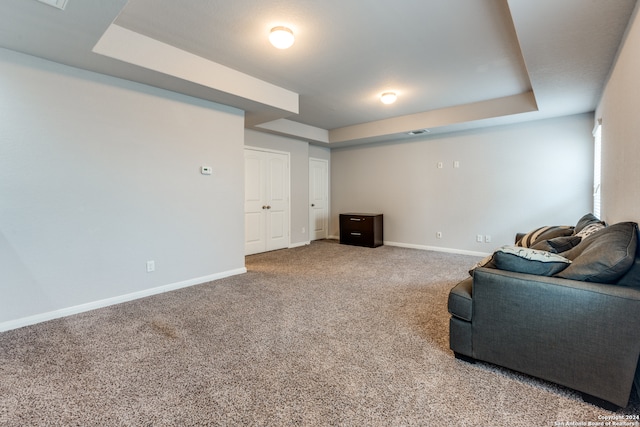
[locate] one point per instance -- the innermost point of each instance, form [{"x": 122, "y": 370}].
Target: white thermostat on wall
[{"x": 206, "y": 170}]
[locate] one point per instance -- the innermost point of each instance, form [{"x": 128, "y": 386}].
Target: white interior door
[
  {"x": 277, "y": 198},
  {"x": 266, "y": 206},
  {"x": 318, "y": 199},
  {"x": 254, "y": 196}
]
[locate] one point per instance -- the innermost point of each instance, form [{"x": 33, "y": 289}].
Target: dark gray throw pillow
[
  {"x": 557, "y": 245},
  {"x": 604, "y": 256}
]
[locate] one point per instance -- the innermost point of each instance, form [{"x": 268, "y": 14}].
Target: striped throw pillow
[{"x": 544, "y": 233}]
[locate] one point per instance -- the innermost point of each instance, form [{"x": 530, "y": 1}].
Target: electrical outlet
[
  {"x": 440, "y": 165},
  {"x": 439, "y": 235},
  {"x": 487, "y": 238},
  {"x": 479, "y": 238},
  {"x": 151, "y": 266},
  {"x": 304, "y": 230}
]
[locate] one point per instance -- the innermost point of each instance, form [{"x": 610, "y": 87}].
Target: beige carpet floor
[{"x": 321, "y": 335}]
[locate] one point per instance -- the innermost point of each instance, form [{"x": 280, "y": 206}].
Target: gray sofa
[{"x": 576, "y": 325}]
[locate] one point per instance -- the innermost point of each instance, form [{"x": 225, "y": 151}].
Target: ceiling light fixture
[
  {"x": 388, "y": 97},
  {"x": 281, "y": 37},
  {"x": 418, "y": 132},
  {"x": 60, "y": 4}
]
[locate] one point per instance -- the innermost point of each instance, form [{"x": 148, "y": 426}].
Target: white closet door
[{"x": 266, "y": 201}]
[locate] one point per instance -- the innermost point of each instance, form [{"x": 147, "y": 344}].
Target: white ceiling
[{"x": 456, "y": 64}]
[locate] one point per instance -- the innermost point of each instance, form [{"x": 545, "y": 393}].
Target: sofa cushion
[
  {"x": 528, "y": 260},
  {"x": 632, "y": 276},
  {"x": 604, "y": 256},
  {"x": 544, "y": 233},
  {"x": 460, "y": 302},
  {"x": 557, "y": 245}
]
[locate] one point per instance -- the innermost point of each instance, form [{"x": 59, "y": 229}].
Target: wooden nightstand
[{"x": 361, "y": 229}]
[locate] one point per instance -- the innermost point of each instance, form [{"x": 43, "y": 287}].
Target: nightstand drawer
[
  {"x": 362, "y": 238},
  {"x": 357, "y": 223}
]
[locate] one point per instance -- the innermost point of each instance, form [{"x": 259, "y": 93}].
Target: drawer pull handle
[
  {"x": 356, "y": 234},
  {"x": 355, "y": 219}
]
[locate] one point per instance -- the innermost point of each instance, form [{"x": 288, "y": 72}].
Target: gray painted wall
[
  {"x": 317, "y": 152},
  {"x": 620, "y": 110},
  {"x": 511, "y": 178},
  {"x": 99, "y": 175}
]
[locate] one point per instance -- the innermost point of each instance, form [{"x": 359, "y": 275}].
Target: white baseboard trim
[
  {"x": 56, "y": 314},
  {"x": 430, "y": 248},
  {"x": 437, "y": 249},
  {"x": 299, "y": 244}
]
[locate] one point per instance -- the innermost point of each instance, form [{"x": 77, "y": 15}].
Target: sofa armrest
[{"x": 581, "y": 335}]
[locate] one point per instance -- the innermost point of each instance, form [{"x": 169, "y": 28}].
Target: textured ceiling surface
[
  {"x": 346, "y": 55},
  {"x": 455, "y": 64}
]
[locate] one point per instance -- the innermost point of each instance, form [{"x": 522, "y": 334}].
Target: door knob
[
  {"x": 268, "y": 207},
  {"x": 264, "y": 207},
  {"x": 312, "y": 204}
]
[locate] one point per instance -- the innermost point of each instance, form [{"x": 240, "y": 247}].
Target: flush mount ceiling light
[
  {"x": 60, "y": 4},
  {"x": 418, "y": 132},
  {"x": 281, "y": 37},
  {"x": 388, "y": 97}
]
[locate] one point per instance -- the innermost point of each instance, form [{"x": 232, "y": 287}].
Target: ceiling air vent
[
  {"x": 418, "y": 132},
  {"x": 60, "y": 4}
]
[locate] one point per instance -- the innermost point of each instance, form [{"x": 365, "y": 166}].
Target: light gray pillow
[
  {"x": 590, "y": 229},
  {"x": 530, "y": 261},
  {"x": 586, "y": 220}
]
